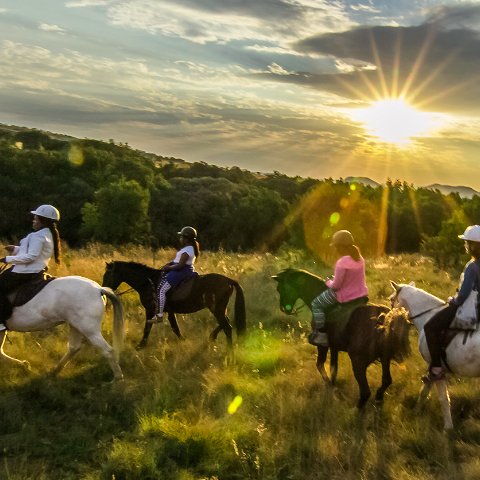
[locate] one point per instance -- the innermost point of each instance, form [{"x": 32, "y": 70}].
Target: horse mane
[
  {"x": 396, "y": 327},
  {"x": 137, "y": 266},
  {"x": 429, "y": 295},
  {"x": 294, "y": 271}
]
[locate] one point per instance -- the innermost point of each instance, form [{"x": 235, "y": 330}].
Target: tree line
[{"x": 109, "y": 192}]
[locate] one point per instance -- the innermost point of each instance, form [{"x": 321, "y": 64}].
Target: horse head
[
  {"x": 109, "y": 277},
  {"x": 287, "y": 291},
  {"x": 294, "y": 284},
  {"x": 416, "y": 301}
]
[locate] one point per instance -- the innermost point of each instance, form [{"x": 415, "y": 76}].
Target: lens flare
[{"x": 235, "y": 404}]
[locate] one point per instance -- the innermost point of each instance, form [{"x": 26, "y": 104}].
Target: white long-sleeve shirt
[{"x": 34, "y": 252}]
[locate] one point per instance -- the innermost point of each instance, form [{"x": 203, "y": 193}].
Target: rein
[
  {"x": 426, "y": 311},
  {"x": 119, "y": 294}
]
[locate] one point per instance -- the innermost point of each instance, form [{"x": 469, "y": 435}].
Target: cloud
[
  {"x": 434, "y": 65},
  {"x": 51, "y": 28},
  {"x": 86, "y": 3},
  {"x": 205, "y": 21}
]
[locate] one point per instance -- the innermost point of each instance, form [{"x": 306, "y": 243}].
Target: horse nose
[{"x": 287, "y": 308}]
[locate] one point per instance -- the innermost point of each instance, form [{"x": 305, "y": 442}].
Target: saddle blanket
[
  {"x": 183, "y": 290},
  {"x": 340, "y": 314}
]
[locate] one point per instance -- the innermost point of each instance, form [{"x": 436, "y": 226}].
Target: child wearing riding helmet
[
  {"x": 31, "y": 257},
  {"x": 348, "y": 283},
  {"x": 181, "y": 268},
  {"x": 469, "y": 280}
]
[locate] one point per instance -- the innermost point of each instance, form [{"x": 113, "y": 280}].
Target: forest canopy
[{"x": 111, "y": 193}]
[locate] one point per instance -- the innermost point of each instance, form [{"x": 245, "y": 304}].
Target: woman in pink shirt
[{"x": 348, "y": 284}]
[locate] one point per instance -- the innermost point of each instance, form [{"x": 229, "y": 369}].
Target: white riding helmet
[
  {"x": 47, "y": 211},
  {"x": 471, "y": 234}
]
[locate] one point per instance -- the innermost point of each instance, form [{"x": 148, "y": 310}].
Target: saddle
[
  {"x": 339, "y": 315},
  {"x": 28, "y": 290},
  {"x": 183, "y": 290}
]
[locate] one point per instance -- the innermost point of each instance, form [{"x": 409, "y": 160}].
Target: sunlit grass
[{"x": 172, "y": 417}]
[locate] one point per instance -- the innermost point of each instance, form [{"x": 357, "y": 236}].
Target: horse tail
[
  {"x": 117, "y": 320},
  {"x": 240, "y": 315}
]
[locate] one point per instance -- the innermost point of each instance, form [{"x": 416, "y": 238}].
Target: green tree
[{"x": 118, "y": 214}]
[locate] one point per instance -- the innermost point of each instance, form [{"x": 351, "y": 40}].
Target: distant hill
[
  {"x": 362, "y": 180},
  {"x": 464, "y": 192}
]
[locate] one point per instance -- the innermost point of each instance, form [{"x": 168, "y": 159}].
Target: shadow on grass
[{"x": 55, "y": 425}]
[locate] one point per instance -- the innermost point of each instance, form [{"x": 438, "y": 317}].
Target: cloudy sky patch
[{"x": 260, "y": 84}]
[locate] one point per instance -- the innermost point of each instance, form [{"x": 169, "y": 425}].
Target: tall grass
[{"x": 182, "y": 413}]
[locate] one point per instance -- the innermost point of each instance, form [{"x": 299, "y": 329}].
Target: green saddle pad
[{"x": 339, "y": 315}]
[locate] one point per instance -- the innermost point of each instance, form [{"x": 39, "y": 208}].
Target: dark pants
[
  {"x": 9, "y": 281},
  {"x": 433, "y": 332}
]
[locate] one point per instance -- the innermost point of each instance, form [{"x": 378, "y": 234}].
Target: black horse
[
  {"x": 212, "y": 291},
  {"x": 373, "y": 332}
]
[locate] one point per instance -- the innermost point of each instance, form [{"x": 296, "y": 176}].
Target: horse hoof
[
  {"x": 140, "y": 346},
  {"x": 26, "y": 365}
]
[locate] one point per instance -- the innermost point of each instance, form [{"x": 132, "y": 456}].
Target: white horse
[
  {"x": 80, "y": 303},
  {"x": 462, "y": 355}
]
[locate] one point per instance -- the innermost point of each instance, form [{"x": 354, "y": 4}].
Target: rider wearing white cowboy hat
[
  {"x": 31, "y": 256},
  {"x": 442, "y": 319}
]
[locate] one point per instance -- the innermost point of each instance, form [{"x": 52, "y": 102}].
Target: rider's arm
[
  {"x": 35, "y": 247},
  {"x": 338, "y": 277},
  {"x": 469, "y": 278},
  {"x": 177, "y": 266}
]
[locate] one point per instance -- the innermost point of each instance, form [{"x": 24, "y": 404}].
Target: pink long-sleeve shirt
[{"x": 349, "y": 279}]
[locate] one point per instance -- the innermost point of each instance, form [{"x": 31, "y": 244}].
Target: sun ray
[
  {"x": 378, "y": 63},
  {"x": 418, "y": 63}
]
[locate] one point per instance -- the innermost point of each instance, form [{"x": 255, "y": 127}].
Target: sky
[{"x": 314, "y": 88}]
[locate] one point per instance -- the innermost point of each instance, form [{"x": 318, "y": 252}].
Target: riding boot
[
  {"x": 5, "y": 311},
  {"x": 318, "y": 338}
]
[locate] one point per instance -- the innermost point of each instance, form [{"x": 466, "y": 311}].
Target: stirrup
[
  {"x": 318, "y": 338},
  {"x": 431, "y": 377},
  {"x": 157, "y": 318}
]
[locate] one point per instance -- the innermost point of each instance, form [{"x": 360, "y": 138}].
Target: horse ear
[
  {"x": 412, "y": 283},
  {"x": 395, "y": 286}
]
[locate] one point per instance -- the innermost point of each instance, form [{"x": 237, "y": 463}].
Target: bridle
[{"x": 417, "y": 315}]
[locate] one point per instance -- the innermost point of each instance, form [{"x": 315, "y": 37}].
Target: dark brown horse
[
  {"x": 212, "y": 291},
  {"x": 373, "y": 332}
]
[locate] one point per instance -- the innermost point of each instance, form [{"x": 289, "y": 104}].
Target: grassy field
[{"x": 182, "y": 413}]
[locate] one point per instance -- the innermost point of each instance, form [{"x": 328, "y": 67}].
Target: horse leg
[
  {"x": 333, "y": 365},
  {"x": 149, "y": 307},
  {"x": 74, "y": 344},
  {"x": 146, "y": 332},
  {"x": 444, "y": 399},
  {"x": 321, "y": 359},
  {"x": 360, "y": 372},
  {"x": 106, "y": 350},
  {"x": 224, "y": 324},
  {"x": 386, "y": 380},
  {"x": 174, "y": 324},
  {"x": 4, "y": 356},
  {"x": 424, "y": 392},
  {"x": 213, "y": 336}
]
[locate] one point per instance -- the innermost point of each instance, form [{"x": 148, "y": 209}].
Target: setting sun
[{"x": 394, "y": 121}]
